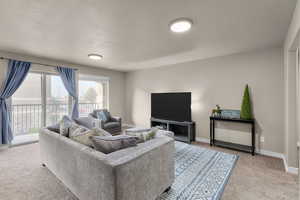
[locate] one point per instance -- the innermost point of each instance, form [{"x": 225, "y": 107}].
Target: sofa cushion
[
  {"x": 64, "y": 125},
  {"x": 110, "y": 144},
  {"x": 111, "y": 125},
  {"x": 84, "y": 137},
  {"x": 143, "y": 135},
  {"x": 85, "y": 121}
]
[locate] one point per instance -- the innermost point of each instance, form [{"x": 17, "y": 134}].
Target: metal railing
[{"x": 29, "y": 118}]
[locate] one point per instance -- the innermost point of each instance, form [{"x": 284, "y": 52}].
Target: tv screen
[{"x": 171, "y": 106}]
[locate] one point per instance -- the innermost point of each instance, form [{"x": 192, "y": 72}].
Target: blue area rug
[{"x": 200, "y": 174}]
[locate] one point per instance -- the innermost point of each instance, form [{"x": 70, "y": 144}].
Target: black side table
[{"x": 234, "y": 146}]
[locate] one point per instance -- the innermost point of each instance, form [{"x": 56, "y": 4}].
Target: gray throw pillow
[
  {"x": 85, "y": 121},
  {"x": 84, "y": 137},
  {"x": 109, "y": 144},
  {"x": 64, "y": 125}
]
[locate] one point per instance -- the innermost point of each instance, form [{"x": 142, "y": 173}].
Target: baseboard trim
[
  {"x": 270, "y": 153},
  {"x": 292, "y": 170},
  {"x": 201, "y": 139}
]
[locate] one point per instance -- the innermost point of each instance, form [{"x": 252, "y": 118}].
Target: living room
[{"x": 149, "y": 100}]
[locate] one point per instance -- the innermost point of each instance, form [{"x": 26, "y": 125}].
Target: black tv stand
[{"x": 183, "y": 131}]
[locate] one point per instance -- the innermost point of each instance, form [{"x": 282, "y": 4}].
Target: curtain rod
[{"x": 36, "y": 63}]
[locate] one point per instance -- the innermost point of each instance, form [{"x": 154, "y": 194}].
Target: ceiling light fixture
[
  {"x": 181, "y": 25},
  {"x": 94, "y": 56}
]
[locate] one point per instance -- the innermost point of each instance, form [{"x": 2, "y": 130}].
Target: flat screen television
[{"x": 171, "y": 106}]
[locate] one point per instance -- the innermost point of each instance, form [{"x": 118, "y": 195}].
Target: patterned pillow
[
  {"x": 76, "y": 130},
  {"x": 103, "y": 115},
  {"x": 143, "y": 135},
  {"x": 110, "y": 144},
  {"x": 83, "y": 137},
  {"x": 64, "y": 125}
]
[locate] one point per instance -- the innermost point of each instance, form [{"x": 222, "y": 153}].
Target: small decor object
[
  {"x": 246, "y": 109},
  {"x": 217, "y": 111},
  {"x": 231, "y": 114}
]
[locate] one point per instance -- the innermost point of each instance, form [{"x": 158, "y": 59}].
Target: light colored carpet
[
  {"x": 23, "y": 178},
  {"x": 254, "y": 178},
  {"x": 199, "y": 171}
]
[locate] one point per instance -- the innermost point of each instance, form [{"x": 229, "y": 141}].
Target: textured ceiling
[{"x": 134, "y": 34}]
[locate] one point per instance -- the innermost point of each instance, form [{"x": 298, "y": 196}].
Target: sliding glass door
[
  {"x": 26, "y": 106},
  {"x": 57, "y": 101},
  {"x": 41, "y": 100}
]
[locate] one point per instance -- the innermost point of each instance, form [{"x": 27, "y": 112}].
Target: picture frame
[{"x": 231, "y": 114}]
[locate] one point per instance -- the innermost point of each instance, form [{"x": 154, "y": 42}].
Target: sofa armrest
[
  {"x": 116, "y": 119},
  {"x": 145, "y": 171},
  {"x": 82, "y": 169}
]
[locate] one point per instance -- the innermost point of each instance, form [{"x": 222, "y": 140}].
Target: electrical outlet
[{"x": 262, "y": 139}]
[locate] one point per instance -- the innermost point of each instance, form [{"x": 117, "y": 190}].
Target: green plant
[
  {"x": 217, "y": 110},
  {"x": 246, "y": 109}
]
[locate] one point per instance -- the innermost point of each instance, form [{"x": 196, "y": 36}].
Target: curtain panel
[
  {"x": 68, "y": 76},
  {"x": 16, "y": 73}
]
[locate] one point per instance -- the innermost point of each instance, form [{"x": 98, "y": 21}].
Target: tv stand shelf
[{"x": 183, "y": 131}]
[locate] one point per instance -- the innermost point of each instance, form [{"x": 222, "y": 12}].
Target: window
[
  {"x": 57, "y": 99},
  {"x": 93, "y": 93},
  {"x": 40, "y": 101}
]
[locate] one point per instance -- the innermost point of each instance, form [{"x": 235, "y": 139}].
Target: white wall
[
  {"x": 116, "y": 84},
  {"x": 221, "y": 81},
  {"x": 291, "y": 125}
]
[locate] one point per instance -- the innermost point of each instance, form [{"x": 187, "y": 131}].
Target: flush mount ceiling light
[
  {"x": 181, "y": 25},
  {"x": 94, "y": 56}
]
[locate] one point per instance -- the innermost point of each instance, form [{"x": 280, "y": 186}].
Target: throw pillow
[
  {"x": 84, "y": 137},
  {"x": 143, "y": 135},
  {"x": 110, "y": 144},
  {"x": 104, "y": 115},
  {"x": 76, "y": 130},
  {"x": 85, "y": 121},
  {"x": 101, "y": 132},
  {"x": 64, "y": 125}
]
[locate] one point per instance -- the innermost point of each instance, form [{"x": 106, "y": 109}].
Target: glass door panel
[
  {"x": 26, "y": 106},
  {"x": 57, "y": 99}
]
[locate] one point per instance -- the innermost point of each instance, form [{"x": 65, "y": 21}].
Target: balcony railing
[{"x": 29, "y": 118}]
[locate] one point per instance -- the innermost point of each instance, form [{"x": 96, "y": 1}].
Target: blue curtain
[
  {"x": 16, "y": 73},
  {"x": 68, "y": 76}
]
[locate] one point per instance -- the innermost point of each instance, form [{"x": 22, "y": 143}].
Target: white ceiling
[{"x": 134, "y": 34}]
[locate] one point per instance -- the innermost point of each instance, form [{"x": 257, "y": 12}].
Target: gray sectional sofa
[{"x": 136, "y": 173}]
